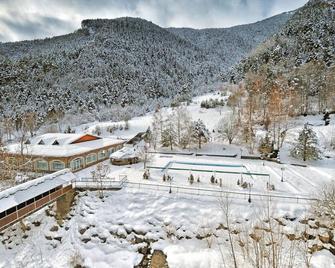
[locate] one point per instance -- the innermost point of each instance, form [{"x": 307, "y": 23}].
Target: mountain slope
[
  {"x": 227, "y": 46},
  {"x": 121, "y": 61},
  {"x": 309, "y": 36}
]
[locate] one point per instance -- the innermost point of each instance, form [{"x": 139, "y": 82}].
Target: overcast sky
[{"x": 30, "y": 19}]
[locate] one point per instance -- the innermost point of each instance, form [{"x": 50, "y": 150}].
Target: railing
[
  {"x": 113, "y": 184},
  {"x": 109, "y": 183},
  {"x": 185, "y": 190}
]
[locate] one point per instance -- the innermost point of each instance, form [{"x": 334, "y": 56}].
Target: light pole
[
  {"x": 282, "y": 174},
  {"x": 249, "y": 199},
  {"x": 170, "y": 191}
]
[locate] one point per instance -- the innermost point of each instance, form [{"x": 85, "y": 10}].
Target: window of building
[
  {"x": 11, "y": 210},
  {"x": 91, "y": 158},
  {"x": 30, "y": 201},
  {"x": 22, "y": 205},
  {"x": 57, "y": 165},
  {"x": 41, "y": 165},
  {"x": 102, "y": 154},
  {"x": 77, "y": 163},
  {"x": 38, "y": 197},
  {"x": 45, "y": 194},
  {"x": 52, "y": 190},
  {"x": 41, "y": 142}
]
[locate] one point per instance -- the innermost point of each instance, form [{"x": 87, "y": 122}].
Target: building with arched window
[{"x": 55, "y": 151}]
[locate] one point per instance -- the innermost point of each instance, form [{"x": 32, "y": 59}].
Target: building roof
[
  {"x": 129, "y": 152},
  {"x": 137, "y": 138},
  {"x": 18, "y": 194},
  {"x": 62, "y": 145},
  {"x": 61, "y": 138},
  {"x": 124, "y": 153}
]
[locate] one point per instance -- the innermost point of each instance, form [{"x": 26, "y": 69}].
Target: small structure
[
  {"x": 21, "y": 200},
  {"x": 131, "y": 152},
  {"x": 55, "y": 151}
]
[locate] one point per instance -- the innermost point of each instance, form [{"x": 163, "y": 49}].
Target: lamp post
[
  {"x": 249, "y": 186},
  {"x": 170, "y": 190}
]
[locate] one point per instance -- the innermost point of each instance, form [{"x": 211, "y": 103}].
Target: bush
[{"x": 191, "y": 179}]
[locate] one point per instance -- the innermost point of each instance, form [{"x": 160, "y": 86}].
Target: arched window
[
  {"x": 77, "y": 163},
  {"x": 57, "y": 165},
  {"x": 91, "y": 158},
  {"x": 102, "y": 154},
  {"x": 41, "y": 165}
]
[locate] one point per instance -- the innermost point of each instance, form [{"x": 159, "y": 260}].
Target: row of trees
[
  {"x": 176, "y": 128},
  {"x": 269, "y": 101},
  {"x": 11, "y": 127},
  {"x": 19, "y": 129}
]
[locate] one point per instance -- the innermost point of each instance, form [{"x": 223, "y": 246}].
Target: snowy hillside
[
  {"x": 122, "y": 61},
  {"x": 306, "y": 38},
  {"x": 230, "y": 45}
]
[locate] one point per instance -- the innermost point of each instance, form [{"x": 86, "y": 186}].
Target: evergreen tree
[
  {"x": 305, "y": 147},
  {"x": 199, "y": 132},
  {"x": 265, "y": 146}
]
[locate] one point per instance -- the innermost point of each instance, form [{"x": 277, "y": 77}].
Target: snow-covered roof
[
  {"x": 61, "y": 138},
  {"x": 25, "y": 191},
  {"x": 137, "y": 138},
  {"x": 125, "y": 153},
  {"x": 65, "y": 146}
]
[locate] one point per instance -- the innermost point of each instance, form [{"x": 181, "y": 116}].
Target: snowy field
[
  {"x": 103, "y": 233},
  {"x": 300, "y": 181}
]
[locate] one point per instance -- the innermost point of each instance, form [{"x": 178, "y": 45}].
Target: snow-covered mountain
[
  {"x": 227, "y": 46},
  {"x": 307, "y": 38},
  {"x": 120, "y": 61}
]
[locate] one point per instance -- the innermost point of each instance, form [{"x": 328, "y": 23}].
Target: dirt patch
[{"x": 158, "y": 260}]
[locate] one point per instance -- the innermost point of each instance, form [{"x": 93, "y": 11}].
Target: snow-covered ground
[
  {"x": 109, "y": 232},
  {"x": 296, "y": 180},
  {"x": 211, "y": 118},
  {"x": 102, "y": 234}
]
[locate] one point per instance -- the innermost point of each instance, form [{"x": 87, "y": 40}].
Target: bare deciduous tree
[
  {"x": 225, "y": 206},
  {"x": 99, "y": 175},
  {"x": 228, "y": 128},
  {"x": 326, "y": 204}
]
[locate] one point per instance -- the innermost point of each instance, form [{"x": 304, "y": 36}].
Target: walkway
[{"x": 22, "y": 200}]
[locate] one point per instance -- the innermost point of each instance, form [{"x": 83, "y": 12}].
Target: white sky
[{"x": 30, "y": 19}]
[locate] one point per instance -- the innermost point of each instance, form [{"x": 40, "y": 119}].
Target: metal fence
[
  {"x": 107, "y": 184},
  {"x": 216, "y": 193},
  {"x": 122, "y": 182}
]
